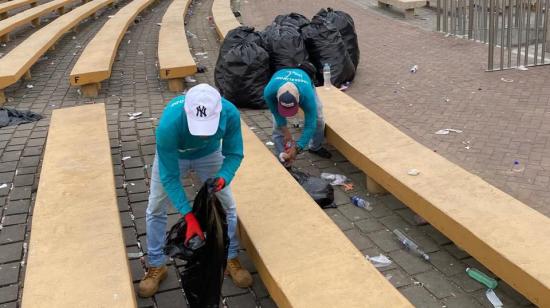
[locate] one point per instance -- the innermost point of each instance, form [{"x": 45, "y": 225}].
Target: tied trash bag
[
  {"x": 245, "y": 72},
  {"x": 285, "y": 46},
  {"x": 345, "y": 25},
  {"x": 232, "y": 39},
  {"x": 325, "y": 45},
  {"x": 293, "y": 19},
  {"x": 321, "y": 191},
  {"x": 202, "y": 276}
]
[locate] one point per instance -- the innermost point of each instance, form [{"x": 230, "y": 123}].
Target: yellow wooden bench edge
[{"x": 14, "y": 4}]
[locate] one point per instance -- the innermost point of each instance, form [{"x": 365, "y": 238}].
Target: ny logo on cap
[{"x": 201, "y": 111}]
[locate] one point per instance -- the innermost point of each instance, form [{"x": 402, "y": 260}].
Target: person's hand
[
  {"x": 193, "y": 228},
  {"x": 291, "y": 153},
  {"x": 287, "y": 136},
  {"x": 215, "y": 184}
]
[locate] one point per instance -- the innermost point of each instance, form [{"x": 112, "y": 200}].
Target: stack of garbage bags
[
  {"x": 202, "y": 275},
  {"x": 248, "y": 58}
]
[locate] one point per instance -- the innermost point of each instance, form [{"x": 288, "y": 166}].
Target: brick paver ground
[{"x": 134, "y": 86}]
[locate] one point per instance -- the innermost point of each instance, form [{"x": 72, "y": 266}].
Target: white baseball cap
[{"x": 203, "y": 105}]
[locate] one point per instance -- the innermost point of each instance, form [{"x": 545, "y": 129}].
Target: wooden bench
[
  {"x": 12, "y": 5},
  {"x": 175, "y": 59},
  {"x": 18, "y": 62},
  {"x": 505, "y": 235},
  {"x": 77, "y": 256},
  {"x": 31, "y": 15},
  {"x": 223, "y": 17},
  {"x": 96, "y": 61},
  {"x": 408, "y": 6},
  {"x": 303, "y": 258}
]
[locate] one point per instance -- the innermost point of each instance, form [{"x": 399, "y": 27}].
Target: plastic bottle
[
  {"x": 517, "y": 167},
  {"x": 482, "y": 278},
  {"x": 326, "y": 76},
  {"x": 410, "y": 245},
  {"x": 360, "y": 202}
]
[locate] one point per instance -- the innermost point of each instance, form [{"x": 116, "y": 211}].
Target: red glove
[
  {"x": 193, "y": 228},
  {"x": 216, "y": 184}
]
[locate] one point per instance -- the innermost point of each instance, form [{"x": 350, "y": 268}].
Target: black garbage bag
[
  {"x": 321, "y": 191},
  {"x": 202, "y": 276},
  {"x": 285, "y": 46},
  {"x": 232, "y": 39},
  {"x": 10, "y": 116},
  {"x": 325, "y": 45},
  {"x": 245, "y": 72},
  {"x": 344, "y": 23},
  {"x": 293, "y": 19}
]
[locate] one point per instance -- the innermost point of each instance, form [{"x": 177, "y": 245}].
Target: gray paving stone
[
  {"x": 11, "y": 234},
  {"x": 398, "y": 278},
  {"x": 412, "y": 264},
  {"x": 394, "y": 222},
  {"x": 31, "y": 161},
  {"x": 340, "y": 197},
  {"x": 17, "y": 207},
  {"x": 26, "y": 170},
  {"x": 10, "y": 156},
  {"x": 482, "y": 299},
  {"x": 122, "y": 203},
  {"x": 385, "y": 240},
  {"x": 446, "y": 263},
  {"x": 392, "y": 202},
  {"x": 422, "y": 240},
  {"x": 9, "y": 293},
  {"x": 258, "y": 287},
  {"x": 139, "y": 208},
  {"x": 126, "y": 219},
  {"x": 8, "y": 166},
  {"x": 241, "y": 301},
  {"x": 267, "y": 303},
  {"x": 170, "y": 299},
  {"x": 230, "y": 289},
  {"x": 419, "y": 297},
  {"x": 19, "y": 193},
  {"x": 133, "y": 162},
  {"x": 359, "y": 240},
  {"x": 461, "y": 301},
  {"x": 513, "y": 294},
  {"x": 138, "y": 197},
  {"x": 9, "y": 273},
  {"x": 353, "y": 213},
  {"x": 172, "y": 280},
  {"x": 408, "y": 215},
  {"x": 133, "y": 174},
  {"x": 436, "y": 283},
  {"x": 136, "y": 268},
  {"x": 380, "y": 210},
  {"x": 339, "y": 219},
  {"x": 32, "y": 151},
  {"x": 465, "y": 282},
  {"x": 15, "y": 220},
  {"x": 6, "y": 177},
  {"x": 435, "y": 235},
  {"x": 130, "y": 236},
  {"x": 36, "y": 142},
  {"x": 136, "y": 186},
  {"x": 24, "y": 180},
  {"x": 456, "y": 252},
  {"x": 9, "y": 305}
]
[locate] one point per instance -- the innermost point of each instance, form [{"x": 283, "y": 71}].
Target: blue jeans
[
  {"x": 316, "y": 141},
  {"x": 206, "y": 167}
]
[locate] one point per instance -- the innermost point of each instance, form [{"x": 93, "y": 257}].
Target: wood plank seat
[
  {"x": 175, "y": 59},
  {"x": 18, "y": 62},
  {"x": 30, "y": 15},
  {"x": 505, "y": 235},
  {"x": 12, "y": 5},
  {"x": 303, "y": 258},
  {"x": 77, "y": 256},
  {"x": 223, "y": 17},
  {"x": 95, "y": 63},
  {"x": 408, "y": 6}
]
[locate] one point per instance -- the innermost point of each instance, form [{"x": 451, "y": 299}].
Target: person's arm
[
  {"x": 232, "y": 148},
  {"x": 167, "y": 154},
  {"x": 270, "y": 97},
  {"x": 309, "y": 106}
]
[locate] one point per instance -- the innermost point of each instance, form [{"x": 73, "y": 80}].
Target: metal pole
[
  {"x": 509, "y": 29},
  {"x": 446, "y": 16},
  {"x": 520, "y": 30},
  {"x": 502, "y": 25},
  {"x": 545, "y": 31},
  {"x": 470, "y": 18},
  {"x": 438, "y": 26},
  {"x": 537, "y": 23},
  {"x": 453, "y": 25},
  {"x": 484, "y": 17},
  {"x": 464, "y": 2},
  {"x": 527, "y": 32},
  {"x": 491, "y": 29}
]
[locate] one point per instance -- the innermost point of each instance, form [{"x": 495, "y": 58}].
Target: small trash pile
[
  {"x": 248, "y": 58},
  {"x": 10, "y": 116},
  {"x": 202, "y": 276}
]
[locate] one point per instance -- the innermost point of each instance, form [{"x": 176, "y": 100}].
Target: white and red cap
[
  {"x": 203, "y": 106},
  {"x": 288, "y": 100}
]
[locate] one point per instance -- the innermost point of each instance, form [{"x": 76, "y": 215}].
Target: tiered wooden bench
[
  {"x": 12, "y": 5},
  {"x": 96, "y": 61},
  {"x": 408, "y": 6},
  {"x": 77, "y": 256},
  {"x": 18, "y": 62},
  {"x": 31, "y": 15},
  {"x": 223, "y": 17},
  {"x": 303, "y": 258},
  {"x": 175, "y": 59},
  {"x": 505, "y": 235}
]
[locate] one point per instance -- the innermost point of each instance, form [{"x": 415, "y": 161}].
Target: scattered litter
[
  {"x": 283, "y": 157},
  {"x": 30, "y": 86},
  {"x": 493, "y": 298},
  {"x": 414, "y": 69},
  {"x": 389, "y": 277},
  {"x": 410, "y": 245},
  {"x": 191, "y": 34},
  {"x": 361, "y": 203},
  {"x": 348, "y": 186},
  {"x": 252, "y": 128},
  {"x": 4, "y": 45},
  {"x": 3, "y": 186},
  {"x": 159, "y": 24},
  {"x": 413, "y": 172},
  {"x": 190, "y": 79},
  {"x": 447, "y": 100},
  {"x": 134, "y": 115},
  {"x": 379, "y": 261},
  {"x": 201, "y": 53},
  {"x": 201, "y": 68},
  {"x": 110, "y": 16},
  {"x": 77, "y": 46},
  {"x": 482, "y": 278},
  {"x": 237, "y": 13},
  {"x": 522, "y": 68},
  {"x": 133, "y": 255},
  {"x": 74, "y": 37},
  {"x": 343, "y": 88},
  {"x": 269, "y": 143},
  {"x": 517, "y": 167},
  {"x": 446, "y": 131},
  {"x": 126, "y": 157},
  {"x": 418, "y": 283},
  {"x": 336, "y": 179},
  {"x": 506, "y": 80},
  {"x": 140, "y": 53},
  {"x": 467, "y": 145}
]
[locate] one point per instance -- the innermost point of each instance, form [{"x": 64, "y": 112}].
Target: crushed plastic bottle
[
  {"x": 482, "y": 278},
  {"x": 326, "y": 76},
  {"x": 360, "y": 202},
  {"x": 335, "y": 179},
  {"x": 410, "y": 245},
  {"x": 414, "y": 69},
  {"x": 517, "y": 166}
]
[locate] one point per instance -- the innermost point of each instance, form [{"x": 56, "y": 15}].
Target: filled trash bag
[
  {"x": 321, "y": 191},
  {"x": 293, "y": 19},
  {"x": 325, "y": 45},
  {"x": 232, "y": 39},
  {"x": 202, "y": 276},
  {"x": 244, "y": 72},
  {"x": 344, "y": 23},
  {"x": 285, "y": 46}
]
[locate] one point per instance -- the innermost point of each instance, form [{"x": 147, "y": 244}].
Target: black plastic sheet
[
  {"x": 285, "y": 46},
  {"x": 293, "y": 19},
  {"x": 320, "y": 190}
]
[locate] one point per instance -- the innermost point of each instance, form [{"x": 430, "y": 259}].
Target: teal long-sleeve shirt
[
  {"x": 175, "y": 142},
  {"x": 308, "y": 101}
]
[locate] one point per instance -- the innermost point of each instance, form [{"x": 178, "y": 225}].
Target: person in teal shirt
[
  {"x": 289, "y": 90},
  {"x": 199, "y": 131}
]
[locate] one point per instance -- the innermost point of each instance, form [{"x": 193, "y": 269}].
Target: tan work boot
[
  {"x": 241, "y": 277},
  {"x": 149, "y": 285}
]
